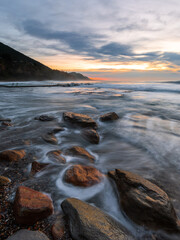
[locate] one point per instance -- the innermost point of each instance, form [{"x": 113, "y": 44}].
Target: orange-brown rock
[
  {"x": 111, "y": 116},
  {"x": 80, "y": 152},
  {"x": 31, "y": 206},
  {"x": 50, "y": 138},
  {"x": 80, "y": 120},
  {"x": 83, "y": 176},
  {"x": 56, "y": 156},
  {"x": 91, "y": 136},
  {"x": 12, "y": 155},
  {"x": 37, "y": 167},
  {"x": 58, "y": 228},
  {"x": 4, "y": 181},
  {"x": 144, "y": 202}
]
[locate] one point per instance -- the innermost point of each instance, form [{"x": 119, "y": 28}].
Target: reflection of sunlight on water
[{"x": 138, "y": 97}]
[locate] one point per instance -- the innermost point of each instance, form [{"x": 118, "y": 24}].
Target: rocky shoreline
[{"x": 27, "y": 213}]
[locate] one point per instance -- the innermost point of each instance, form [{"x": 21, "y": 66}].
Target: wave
[
  {"x": 166, "y": 88},
  {"x": 24, "y": 85}
]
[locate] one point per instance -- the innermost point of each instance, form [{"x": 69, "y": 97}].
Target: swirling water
[{"x": 145, "y": 140}]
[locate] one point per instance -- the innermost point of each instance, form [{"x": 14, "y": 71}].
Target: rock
[
  {"x": 7, "y": 124},
  {"x": 56, "y": 130},
  {"x": 50, "y": 138},
  {"x": 79, "y": 152},
  {"x": 90, "y": 223},
  {"x": 25, "y": 234},
  {"x": 58, "y": 228},
  {"x": 144, "y": 202},
  {"x": 56, "y": 156},
  {"x": 91, "y": 136},
  {"x": 109, "y": 117},
  {"x": 12, "y": 155},
  {"x": 79, "y": 120},
  {"x": 45, "y": 118},
  {"x": 31, "y": 206},
  {"x": 5, "y": 120},
  {"x": 4, "y": 181},
  {"x": 37, "y": 167},
  {"x": 83, "y": 176}
]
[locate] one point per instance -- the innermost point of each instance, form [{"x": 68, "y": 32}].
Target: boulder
[
  {"x": 25, "y": 234},
  {"x": 108, "y": 117},
  {"x": 45, "y": 118},
  {"x": 12, "y": 155},
  {"x": 58, "y": 228},
  {"x": 144, "y": 202},
  {"x": 4, "y": 181},
  {"x": 56, "y": 156},
  {"x": 37, "y": 167},
  {"x": 31, "y": 206},
  {"x": 91, "y": 136},
  {"x": 83, "y": 176},
  {"x": 79, "y": 152},
  {"x": 90, "y": 223},
  {"x": 50, "y": 138},
  {"x": 79, "y": 120}
]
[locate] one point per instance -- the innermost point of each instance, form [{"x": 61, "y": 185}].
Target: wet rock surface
[
  {"x": 7, "y": 124},
  {"x": 45, "y": 118},
  {"x": 77, "y": 151},
  {"x": 79, "y": 120},
  {"x": 37, "y": 167},
  {"x": 83, "y": 176},
  {"x": 56, "y": 130},
  {"x": 50, "y": 138},
  {"x": 56, "y": 156},
  {"x": 58, "y": 228},
  {"x": 88, "y": 222},
  {"x": 12, "y": 155},
  {"x": 112, "y": 116},
  {"x": 144, "y": 202},
  {"x": 31, "y": 206},
  {"x": 25, "y": 234},
  {"x": 91, "y": 136},
  {"x": 4, "y": 181}
]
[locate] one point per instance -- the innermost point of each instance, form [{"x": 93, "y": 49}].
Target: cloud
[
  {"x": 115, "y": 49},
  {"x": 102, "y": 31},
  {"x": 85, "y": 45},
  {"x": 75, "y": 41},
  {"x": 172, "y": 57},
  {"x": 80, "y": 43}
]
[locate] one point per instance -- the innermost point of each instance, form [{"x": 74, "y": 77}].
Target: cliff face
[{"x": 16, "y": 66}]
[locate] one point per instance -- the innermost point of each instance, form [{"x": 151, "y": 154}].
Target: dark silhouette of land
[{"x": 17, "y": 66}]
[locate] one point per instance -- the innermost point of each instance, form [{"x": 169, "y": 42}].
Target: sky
[{"x": 103, "y": 39}]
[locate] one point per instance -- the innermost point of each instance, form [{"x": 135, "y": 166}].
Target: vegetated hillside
[{"x": 17, "y": 66}]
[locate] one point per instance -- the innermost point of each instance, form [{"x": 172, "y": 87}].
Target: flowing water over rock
[{"x": 144, "y": 140}]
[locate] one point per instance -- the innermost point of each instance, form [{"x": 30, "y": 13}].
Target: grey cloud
[
  {"x": 74, "y": 40},
  {"x": 172, "y": 57},
  {"x": 83, "y": 44},
  {"x": 116, "y": 49}
]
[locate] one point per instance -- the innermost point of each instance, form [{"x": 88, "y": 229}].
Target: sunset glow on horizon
[{"x": 100, "y": 39}]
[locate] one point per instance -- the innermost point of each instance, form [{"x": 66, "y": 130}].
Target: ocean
[{"x": 145, "y": 140}]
